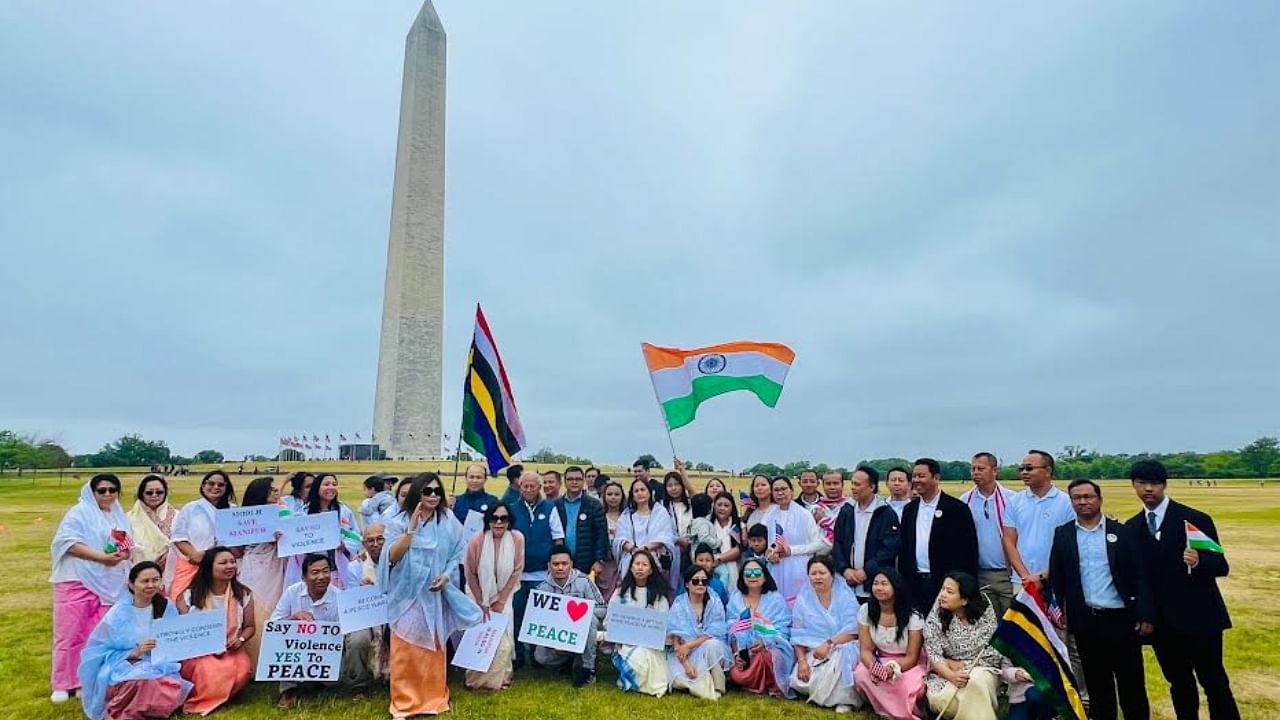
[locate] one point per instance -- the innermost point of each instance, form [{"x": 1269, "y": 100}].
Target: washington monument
[{"x": 406, "y": 411}]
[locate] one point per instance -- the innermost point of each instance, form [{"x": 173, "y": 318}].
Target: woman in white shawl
[
  {"x": 493, "y": 565},
  {"x": 323, "y": 497},
  {"x": 824, "y": 634},
  {"x": 423, "y": 607},
  {"x": 118, "y": 679},
  {"x": 794, "y": 537},
  {"x": 698, "y": 635},
  {"x": 194, "y": 531},
  {"x": 91, "y": 553},
  {"x": 642, "y": 669},
  {"x": 644, "y": 527},
  {"x": 152, "y": 520},
  {"x": 260, "y": 570}
]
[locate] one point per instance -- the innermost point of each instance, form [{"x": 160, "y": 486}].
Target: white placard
[
  {"x": 199, "y": 632},
  {"x": 473, "y": 524},
  {"x": 559, "y": 622},
  {"x": 361, "y": 607},
  {"x": 480, "y": 643},
  {"x": 307, "y": 533},
  {"x": 300, "y": 651},
  {"x": 636, "y": 625},
  {"x": 238, "y": 526}
]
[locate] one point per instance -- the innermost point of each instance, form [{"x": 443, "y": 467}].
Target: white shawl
[{"x": 86, "y": 524}]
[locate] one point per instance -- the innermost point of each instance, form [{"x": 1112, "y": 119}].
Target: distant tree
[
  {"x": 547, "y": 456},
  {"x": 651, "y": 460},
  {"x": 1258, "y": 456},
  {"x": 49, "y": 454},
  {"x": 763, "y": 469},
  {"x": 703, "y": 467},
  {"x": 208, "y": 457}
]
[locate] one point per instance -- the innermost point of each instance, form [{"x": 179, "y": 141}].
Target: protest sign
[
  {"x": 187, "y": 636},
  {"x": 238, "y": 526},
  {"x": 636, "y": 625},
  {"x": 300, "y": 651},
  {"x": 559, "y": 622},
  {"x": 307, "y": 533},
  {"x": 361, "y": 607},
  {"x": 480, "y": 643}
]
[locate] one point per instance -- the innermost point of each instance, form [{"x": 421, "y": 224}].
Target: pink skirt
[
  {"x": 76, "y": 612},
  {"x": 141, "y": 699},
  {"x": 894, "y": 699},
  {"x": 757, "y": 677}
]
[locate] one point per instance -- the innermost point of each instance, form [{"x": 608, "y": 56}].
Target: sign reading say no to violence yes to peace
[
  {"x": 238, "y": 526},
  {"x": 559, "y": 622},
  {"x": 307, "y": 533}
]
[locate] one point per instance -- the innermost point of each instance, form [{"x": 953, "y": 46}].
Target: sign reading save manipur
[
  {"x": 238, "y": 526},
  {"x": 559, "y": 622},
  {"x": 300, "y": 651}
]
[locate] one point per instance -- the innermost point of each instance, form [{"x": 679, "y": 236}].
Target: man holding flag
[{"x": 1184, "y": 562}]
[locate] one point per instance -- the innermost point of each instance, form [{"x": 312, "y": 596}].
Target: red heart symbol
[{"x": 576, "y": 609}]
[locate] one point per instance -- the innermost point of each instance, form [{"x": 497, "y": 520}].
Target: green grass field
[{"x": 1248, "y": 518}]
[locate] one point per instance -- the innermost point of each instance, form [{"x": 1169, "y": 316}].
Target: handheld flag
[
  {"x": 1198, "y": 539},
  {"x": 1026, "y": 636},
  {"x": 490, "y": 424},
  {"x": 683, "y": 379}
]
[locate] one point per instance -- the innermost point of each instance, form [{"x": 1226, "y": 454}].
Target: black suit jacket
[
  {"x": 882, "y": 541},
  {"x": 953, "y": 541},
  {"x": 1187, "y": 603},
  {"x": 592, "y": 534},
  {"x": 1127, "y": 572}
]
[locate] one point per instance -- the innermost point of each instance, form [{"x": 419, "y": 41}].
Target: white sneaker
[
  {"x": 844, "y": 708},
  {"x": 59, "y": 696}
]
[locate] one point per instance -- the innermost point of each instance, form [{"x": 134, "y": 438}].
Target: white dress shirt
[{"x": 924, "y": 528}]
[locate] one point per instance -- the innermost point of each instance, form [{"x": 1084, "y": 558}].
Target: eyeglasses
[
  {"x": 752, "y": 573},
  {"x": 501, "y": 519},
  {"x": 106, "y": 490},
  {"x": 437, "y": 491},
  {"x": 1029, "y": 468},
  {"x": 697, "y": 581},
  {"x": 215, "y": 484},
  {"x": 153, "y": 493}
]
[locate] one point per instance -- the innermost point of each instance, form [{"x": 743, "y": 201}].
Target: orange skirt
[
  {"x": 418, "y": 685},
  {"x": 184, "y": 572},
  {"x": 216, "y": 679}
]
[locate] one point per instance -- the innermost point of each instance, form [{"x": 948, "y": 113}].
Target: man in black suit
[
  {"x": 866, "y": 534},
  {"x": 937, "y": 536},
  {"x": 1190, "y": 614},
  {"x": 1096, "y": 573}
]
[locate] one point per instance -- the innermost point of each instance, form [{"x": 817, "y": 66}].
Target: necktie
[{"x": 1151, "y": 523}]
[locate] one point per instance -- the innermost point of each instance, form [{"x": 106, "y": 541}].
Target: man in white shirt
[
  {"x": 989, "y": 502},
  {"x": 315, "y": 599}
]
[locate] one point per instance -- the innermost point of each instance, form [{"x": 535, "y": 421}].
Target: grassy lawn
[{"x": 1248, "y": 518}]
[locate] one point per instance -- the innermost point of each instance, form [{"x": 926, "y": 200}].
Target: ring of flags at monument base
[
  {"x": 312, "y": 442},
  {"x": 490, "y": 424}
]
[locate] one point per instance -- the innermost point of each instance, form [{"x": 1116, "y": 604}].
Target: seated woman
[
  {"x": 963, "y": 666},
  {"x": 117, "y": 678},
  {"x": 219, "y": 677},
  {"x": 642, "y": 669},
  {"x": 824, "y": 634},
  {"x": 890, "y": 635},
  {"x": 698, "y": 636},
  {"x": 760, "y": 633}
]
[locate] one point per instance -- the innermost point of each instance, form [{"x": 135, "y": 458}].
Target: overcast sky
[{"x": 992, "y": 226}]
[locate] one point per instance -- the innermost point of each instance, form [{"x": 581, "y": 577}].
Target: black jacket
[
  {"x": 1127, "y": 572},
  {"x": 953, "y": 541},
  {"x": 592, "y": 539},
  {"x": 882, "y": 541},
  {"x": 1187, "y": 603}
]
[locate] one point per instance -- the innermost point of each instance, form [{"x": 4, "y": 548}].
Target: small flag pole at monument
[{"x": 661, "y": 414}]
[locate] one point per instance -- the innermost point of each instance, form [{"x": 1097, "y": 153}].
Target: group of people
[{"x": 817, "y": 587}]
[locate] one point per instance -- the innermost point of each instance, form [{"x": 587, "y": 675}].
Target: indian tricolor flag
[
  {"x": 682, "y": 379},
  {"x": 1198, "y": 540}
]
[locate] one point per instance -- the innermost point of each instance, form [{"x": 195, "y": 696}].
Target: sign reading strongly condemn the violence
[
  {"x": 307, "y": 533},
  {"x": 559, "y": 622},
  {"x": 635, "y": 625},
  {"x": 361, "y": 607},
  {"x": 199, "y": 632},
  {"x": 300, "y": 650},
  {"x": 246, "y": 525}
]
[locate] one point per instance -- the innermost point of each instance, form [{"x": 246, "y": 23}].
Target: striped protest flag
[
  {"x": 683, "y": 379},
  {"x": 490, "y": 423},
  {"x": 1026, "y": 636}
]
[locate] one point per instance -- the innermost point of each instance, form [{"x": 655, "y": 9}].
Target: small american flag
[
  {"x": 742, "y": 624},
  {"x": 779, "y": 538}
]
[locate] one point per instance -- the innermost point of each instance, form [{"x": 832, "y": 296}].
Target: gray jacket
[{"x": 579, "y": 586}]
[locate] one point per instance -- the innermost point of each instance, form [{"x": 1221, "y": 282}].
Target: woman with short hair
[
  {"x": 699, "y": 638},
  {"x": 91, "y": 553},
  {"x": 824, "y": 634},
  {"x": 760, "y": 633},
  {"x": 152, "y": 520},
  {"x": 891, "y": 670},
  {"x": 219, "y": 677},
  {"x": 195, "y": 530},
  {"x": 118, "y": 679},
  {"x": 963, "y": 667},
  {"x": 493, "y": 565},
  {"x": 642, "y": 669}
]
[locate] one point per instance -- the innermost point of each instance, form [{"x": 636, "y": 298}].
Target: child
[
  {"x": 757, "y": 542},
  {"x": 705, "y": 558}
]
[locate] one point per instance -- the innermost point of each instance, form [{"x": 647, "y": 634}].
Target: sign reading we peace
[
  {"x": 300, "y": 650},
  {"x": 636, "y": 625},
  {"x": 199, "y": 632},
  {"x": 307, "y": 533},
  {"x": 559, "y": 622},
  {"x": 238, "y": 526}
]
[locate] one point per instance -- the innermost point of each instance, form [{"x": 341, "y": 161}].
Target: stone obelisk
[{"x": 406, "y": 413}]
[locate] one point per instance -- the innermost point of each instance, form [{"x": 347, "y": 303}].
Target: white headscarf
[{"x": 87, "y": 524}]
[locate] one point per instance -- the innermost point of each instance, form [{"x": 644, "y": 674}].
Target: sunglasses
[
  {"x": 152, "y": 493},
  {"x": 752, "y": 573},
  {"x": 697, "y": 581},
  {"x": 501, "y": 519},
  {"x": 438, "y": 492},
  {"x": 1029, "y": 468},
  {"x": 215, "y": 484},
  {"x": 106, "y": 490}
]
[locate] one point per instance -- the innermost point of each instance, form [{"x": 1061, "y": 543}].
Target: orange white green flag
[
  {"x": 1198, "y": 539},
  {"x": 683, "y": 379}
]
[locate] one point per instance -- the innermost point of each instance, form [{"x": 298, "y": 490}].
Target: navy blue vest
[{"x": 536, "y": 528}]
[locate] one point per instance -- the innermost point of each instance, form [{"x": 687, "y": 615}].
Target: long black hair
[
  {"x": 202, "y": 584},
  {"x": 420, "y": 481},
  {"x": 770, "y": 585},
  {"x": 971, "y": 592},
  {"x": 656, "y": 586},
  {"x": 734, "y": 520},
  {"x": 902, "y": 606},
  {"x": 296, "y": 481},
  {"x": 313, "y": 497},
  {"x": 257, "y": 492},
  {"x": 158, "y": 601},
  {"x": 631, "y": 495},
  {"x": 622, "y": 507},
  {"x": 228, "y": 495}
]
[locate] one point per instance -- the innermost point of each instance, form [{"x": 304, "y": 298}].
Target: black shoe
[
  {"x": 566, "y": 670},
  {"x": 582, "y": 678}
]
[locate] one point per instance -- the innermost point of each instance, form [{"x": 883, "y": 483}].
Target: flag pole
[
  {"x": 457, "y": 458},
  {"x": 661, "y": 414},
  {"x": 1188, "y": 536}
]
